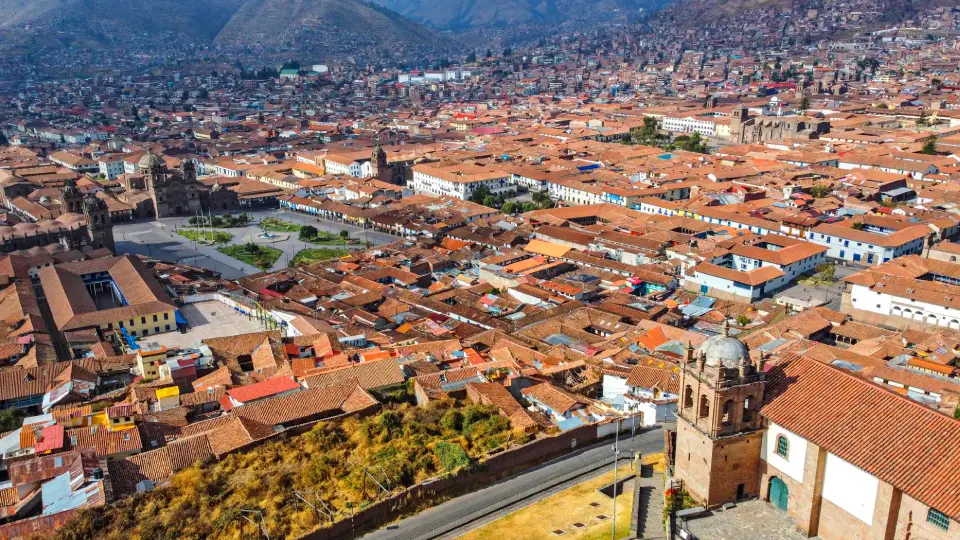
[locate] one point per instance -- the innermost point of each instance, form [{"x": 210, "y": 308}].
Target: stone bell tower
[
  {"x": 99, "y": 226},
  {"x": 719, "y": 430}
]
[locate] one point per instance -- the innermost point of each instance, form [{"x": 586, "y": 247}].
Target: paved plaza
[
  {"x": 749, "y": 520},
  {"x": 159, "y": 239},
  {"x": 207, "y": 320}
]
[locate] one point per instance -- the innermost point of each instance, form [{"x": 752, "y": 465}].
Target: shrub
[{"x": 450, "y": 456}]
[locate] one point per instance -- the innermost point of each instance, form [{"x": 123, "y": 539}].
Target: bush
[
  {"x": 450, "y": 456},
  {"x": 452, "y": 420}
]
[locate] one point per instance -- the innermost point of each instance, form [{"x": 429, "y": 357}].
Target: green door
[{"x": 778, "y": 493}]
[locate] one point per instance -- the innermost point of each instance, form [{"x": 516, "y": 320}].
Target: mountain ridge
[{"x": 327, "y": 26}]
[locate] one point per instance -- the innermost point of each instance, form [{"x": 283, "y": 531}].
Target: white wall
[
  {"x": 792, "y": 466},
  {"x": 613, "y": 387},
  {"x": 850, "y": 488},
  {"x": 886, "y": 304}
]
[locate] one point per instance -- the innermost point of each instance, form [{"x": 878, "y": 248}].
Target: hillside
[
  {"x": 322, "y": 27},
  {"x": 694, "y": 14},
  {"x": 458, "y": 15}
]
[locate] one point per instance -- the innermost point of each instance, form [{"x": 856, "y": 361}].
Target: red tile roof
[
  {"x": 894, "y": 438},
  {"x": 267, "y": 388}
]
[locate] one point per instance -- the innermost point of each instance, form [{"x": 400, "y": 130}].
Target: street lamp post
[{"x": 616, "y": 462}]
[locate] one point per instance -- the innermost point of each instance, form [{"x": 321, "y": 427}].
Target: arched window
[
  {"x": 688, "y": 397},
  {"x": 727, "y": 412},
  {"x": 704, "y": 407},
  {"x": 747, "y": 409},
  {"x": 783, "y": 446}
]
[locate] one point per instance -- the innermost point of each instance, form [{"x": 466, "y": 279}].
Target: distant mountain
[
  {"x": 332, "y": 26},
  {"x": 323, "y": 27},
  {"x": 458, "y": 15}
]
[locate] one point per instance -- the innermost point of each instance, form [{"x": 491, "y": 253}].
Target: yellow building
[{"x": 105, "y": 299}]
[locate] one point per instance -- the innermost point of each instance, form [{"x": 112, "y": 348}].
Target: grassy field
[
  {"x": 323, "y": 238},
  {"x": 262, "y": 257},
  {"x": 279, "y": 225},
  {"x": 566, "y": 510},
  {"x": 310, "y": 256},
  {"x": 206, "y": 237}
]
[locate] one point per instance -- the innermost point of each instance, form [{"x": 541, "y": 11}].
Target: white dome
[
  {"x": 723, "y": 351},
  {"x": 149, "y": 161}
]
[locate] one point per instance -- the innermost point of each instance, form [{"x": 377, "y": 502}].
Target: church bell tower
[{"x": 719, "y": 429}]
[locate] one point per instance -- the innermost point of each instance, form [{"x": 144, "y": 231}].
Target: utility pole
[{"x": 616, "y": 462}]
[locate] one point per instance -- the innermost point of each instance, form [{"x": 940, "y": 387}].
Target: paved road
[
  {"x": 435, "y": 522},
  {"x": 158, "y": 238}
]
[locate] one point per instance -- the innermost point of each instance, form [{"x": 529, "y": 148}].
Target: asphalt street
[
  {"x": 436, "y": 522},
  {"x": 158, "y": 239}
]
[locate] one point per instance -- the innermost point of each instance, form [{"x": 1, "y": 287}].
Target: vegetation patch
[
  {"x": 310, "y": 256},
  {"x": 279, "y": 225},
  {"x": 206, "y": 237},
  {"x": 263, "y": 257},
  {"x": 226, "y": 220},
  {"x": 336, "y": 463}
]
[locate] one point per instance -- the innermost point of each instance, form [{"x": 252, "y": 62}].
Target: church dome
[
  {"x": 149, "y": 161},
  {"x": 723, "y": 351}
]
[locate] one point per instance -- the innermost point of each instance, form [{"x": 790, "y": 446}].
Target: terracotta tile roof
[
  {"x": 260, "y": 390},
  {"x": 304, "y": 406},
  {"x": 495, "y": 394},
  {"x": 371, "y": 375},
  {"x": 559, "y": 400},
  {"x": 896, "y": 439},
  {"x": 665, "y": 380},
  {"x": 73, "y": 307},
  {"x": 103, "y": 441},
  {"x": 219, "y": 377},
  {"x": 158, "y": 465}
]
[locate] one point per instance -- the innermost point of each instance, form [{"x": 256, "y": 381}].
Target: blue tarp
[{"x": 179, "y": 318}]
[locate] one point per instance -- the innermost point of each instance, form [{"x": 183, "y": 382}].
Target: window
[
  {"x": 154, "y": 318},
  {"x": 168, "y": 328},
  {"x": 938, "y": 518},
  {"x": 166, "y": 316},
  {"x": 704, "y": 407},
  {"x": 143, "y": 320},
  {"x": 727, "y": 412},
  {"x": 783, "y": 446}
]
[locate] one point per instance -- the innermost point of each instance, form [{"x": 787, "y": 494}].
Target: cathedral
[
  {"x": 178, "y": 192},
  {"x": 745, "y": 129},
  {"x": 839, "y": 455},
  {"x": 85, "y": 225}
]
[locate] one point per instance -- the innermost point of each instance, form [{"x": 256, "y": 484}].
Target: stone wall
[{"x": 489, "y": 470}]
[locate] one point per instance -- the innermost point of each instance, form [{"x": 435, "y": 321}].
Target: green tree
[
  {"x": 479, "y": 194},
  {"x": 252, "y": 248},
  {"x": 308, "y": 233},
  {"x": 743, "y": 320},
  {"x": 929, "y": 147},
  {"x": 694, "y": 143},
  {"x": 804, "y": 104},
  {"x": 820, "y": 191},
  {"x": 826, "y": 271},
  {"x": 11, "y": 419},
  {"x": 510, "y": 207},
  {"x": 344, "y": 235}
]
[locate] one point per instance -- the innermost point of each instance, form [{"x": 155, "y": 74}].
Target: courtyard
[
  {"x": 209, "y": 319},
  {"x": 753, "y": 520}
]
